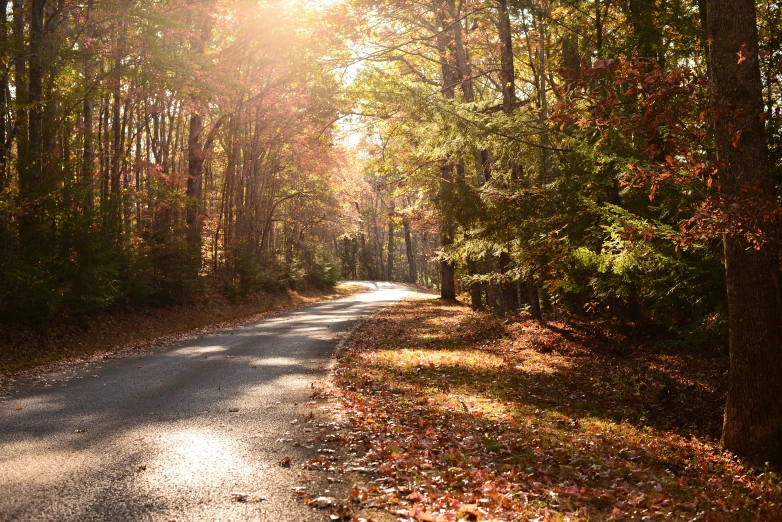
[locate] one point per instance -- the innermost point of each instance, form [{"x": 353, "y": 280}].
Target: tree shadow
[
  {"x": 81, "y": 441},
  {"x": 559, "y": 407}
]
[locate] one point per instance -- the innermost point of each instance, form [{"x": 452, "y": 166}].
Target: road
[{"x": 152, "y": 437}]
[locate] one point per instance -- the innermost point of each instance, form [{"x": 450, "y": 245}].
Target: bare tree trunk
[
  {"x": 494, "y": 298},
  {"x": 545, "y": 156},
  {"x": 508, "y": 75},
  {"x": 599, "y": 28},
  {"x": 4, "y": 126},
  {"x": 35, "y": 89},
  {"x": 195, "y": 167},
  {"x": 534, "y": 299},
  {"x": 88, "y": 155},
  {"x": 476, "y": 290},
  {"x": 115, "y": 201},
  {"x": 753, "y": 413},
  {"x": 4, "y": 102},
  {"x": 510, "y": 296},
  {"x": 412, "y": 275},
  {"x": 20, "y": 83},
  {"x": 364, "y": 257},
  {"x": 103, "y": 124},
  {"x": 390, "y": 248}
]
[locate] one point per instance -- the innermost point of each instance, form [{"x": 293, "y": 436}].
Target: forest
[{"x": 607, "y": 161}]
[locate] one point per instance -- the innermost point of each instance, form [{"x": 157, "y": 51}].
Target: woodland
[{"x": 610, "y": 162}]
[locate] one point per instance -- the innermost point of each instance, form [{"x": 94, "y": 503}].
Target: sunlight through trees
[{"x": 579, "y": 158}]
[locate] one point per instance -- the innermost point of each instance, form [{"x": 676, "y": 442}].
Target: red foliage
[{"x": 669, "y": 116}]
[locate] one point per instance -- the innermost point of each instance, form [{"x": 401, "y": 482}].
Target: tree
[{"x": 753, "y": 413}]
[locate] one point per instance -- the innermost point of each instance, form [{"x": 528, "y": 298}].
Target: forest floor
[
  {"x": 464, "y": 417},
  {"x": 26, "y": 352}
]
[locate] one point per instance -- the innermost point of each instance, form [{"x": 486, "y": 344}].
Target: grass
[
  {"x": 24, "y": 349},
  {"x": 469, "y": 418}
]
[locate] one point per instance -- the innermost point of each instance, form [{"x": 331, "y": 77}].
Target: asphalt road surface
[{"x": 151, "y": 437}]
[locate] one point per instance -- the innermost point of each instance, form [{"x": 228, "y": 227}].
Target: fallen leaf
[
  {"x": 324, "y": 502},
  {"x": 285, "y": 462}
]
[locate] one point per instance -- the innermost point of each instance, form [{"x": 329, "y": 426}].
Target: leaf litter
[{"x": 464, "y": 417}]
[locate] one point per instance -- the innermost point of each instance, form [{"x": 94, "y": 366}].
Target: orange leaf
[{"x": 737, "y": 137}]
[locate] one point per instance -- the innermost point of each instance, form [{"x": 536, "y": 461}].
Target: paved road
[{"x": 151, "y": 437}]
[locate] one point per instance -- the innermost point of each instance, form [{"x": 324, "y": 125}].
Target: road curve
[{"x": 151, "y": 437}]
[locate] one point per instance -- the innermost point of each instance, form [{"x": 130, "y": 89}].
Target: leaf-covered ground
[
  {"x": 28, "y": 353},
  {"x": 468, "y": 418}
]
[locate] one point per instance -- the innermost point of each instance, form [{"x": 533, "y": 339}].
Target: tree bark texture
[
  {"x": 753, "y": 413},
  {"x": 507, "y": 75}
]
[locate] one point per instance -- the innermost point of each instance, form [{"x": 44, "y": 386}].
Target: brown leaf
[
  {"x": 470, "y": 509},
  {"x": 285, "y": 462}
]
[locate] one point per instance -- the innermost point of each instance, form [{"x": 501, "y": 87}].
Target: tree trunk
[
  {"x": 195, "y": 148},
  {"x": 4, "y": 103},
  {"x": 507, "y": 294},
  {"x": 494, "y": 298},
  {"x": 510, "y": 296},
  {"x": 545, "y": 157},
  {"x": 534, "y": 300},
  {"x": 476, "y": 291},
  {"x": 4, "y": 128},
  {"x": 599, "y": 28},
  {"x": 390, "y": 249},
  {"x": 412, "y": 275},
  {"x": 20, "y": 79},
  {"x": 364, "y": 258},
  {"x": 115, "y": 200},
  {"x": 88, "y": 155},
  {"x": 447, "y": 268},
  {"x": 35, "y": 97},
  {"x": 195, "y": 168},
  {"x": 507, "y": 75},
  {"x": 468, "y": 89},
  {"x": 753, "y": 413}
]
